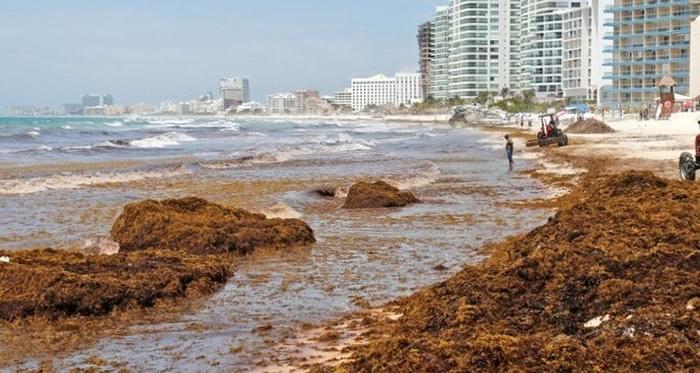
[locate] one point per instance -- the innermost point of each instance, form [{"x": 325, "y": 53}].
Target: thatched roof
[{"x": 667, "y": 81}]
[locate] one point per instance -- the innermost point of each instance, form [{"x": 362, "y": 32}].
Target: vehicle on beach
[
  {"x": 687, "y": 164},
  {"x": 549, "y": 133}
]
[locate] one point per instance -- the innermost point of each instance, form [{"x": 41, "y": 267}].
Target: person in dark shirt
[{"x": 509, "y": 152}]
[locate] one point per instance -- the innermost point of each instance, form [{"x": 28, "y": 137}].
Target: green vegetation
[
  {"x": 524, "y": 102},
  {"x": 511, "y": 102},
  {"x": 431, "y": 104}
]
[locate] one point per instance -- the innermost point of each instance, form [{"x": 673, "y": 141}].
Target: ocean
[{"x": 64, "y": 180}]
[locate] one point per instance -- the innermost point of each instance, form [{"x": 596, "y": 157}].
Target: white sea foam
[
  {"x": 170, "y": 121},
  {"x": 163, "y": 140},
  {"x": 34, "y": 133},
  {"x": 74, "y": 181},
  {"x": 115, "y": 124},
  {"x": 255, "y": 134},
  {"x": 423, "y": 177},
  {"x": 285, "y": 154},
  {"x": 282, "y": 211}
]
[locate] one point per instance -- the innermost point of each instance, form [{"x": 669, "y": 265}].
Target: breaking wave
[
  {"x": 161, "y": 141},
  {"x": 322, "y": 145},
  {"x": 422, "y": 177},
  {"x": 74, "y": 181}
]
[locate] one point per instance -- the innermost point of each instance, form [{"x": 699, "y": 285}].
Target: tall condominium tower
[
  {"x": 234, "y": 91},
  {"x": 582, "y": 52},
  {"x": 651, "y": 40},
  {"x": 541, "y": 45},
  {"x": 484, "y": 52},
  {"x": 438, "y": 84}
]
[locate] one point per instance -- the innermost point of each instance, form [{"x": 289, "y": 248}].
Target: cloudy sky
[{"x": 53, "y": 51}]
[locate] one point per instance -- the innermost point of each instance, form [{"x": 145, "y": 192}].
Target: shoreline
[
  {"x": 228, "y": 196},
  {"x": 562, "y": 159},
  {"x": 315, "y": 349}
]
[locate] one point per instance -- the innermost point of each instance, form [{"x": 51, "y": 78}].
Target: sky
[{"x": 54, "y": 51}]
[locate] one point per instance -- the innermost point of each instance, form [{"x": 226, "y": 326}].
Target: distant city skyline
[{"x": 56, "y": 51}]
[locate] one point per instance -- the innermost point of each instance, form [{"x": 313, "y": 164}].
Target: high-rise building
[
  {"x": 92, "y": 100},
  {"x": 441, "y": 29},
  {"x": 107, "y": 100},
  {"x": 694, "y": 69},
  {"x": 541, "y": 45},
  {"x": 425, "y": 51},
  {"x": 483, "y": 49},
  {"x": 582, "y": 52},
  {"x": 380, "y": 90},
  {"x": 234, "y": 91},
  {"x": 409, "y": 88},
  {"x": 651, "y": 40}
]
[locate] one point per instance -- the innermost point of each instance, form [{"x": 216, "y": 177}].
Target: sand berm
[{"x": 610, "y": 284}]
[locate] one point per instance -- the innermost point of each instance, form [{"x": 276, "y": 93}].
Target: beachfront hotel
[
  {"x": 582, "y": 52},
  {"x": 381, "y": 90},
  {"x": 651, "y": 40},
  {"x": 484, "y": 53},
  {"x": 282, "y": 103},
  {"x": 489, "y": 45},
  {"x": 343, "y": 98},
  {"x": 234, "y": 92},
  {"x": 541, "y": 45}
]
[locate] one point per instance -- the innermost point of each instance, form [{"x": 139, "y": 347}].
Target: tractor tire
[
  {"x": 687, "y": 167},
  {"x": 563, "y": 140}
]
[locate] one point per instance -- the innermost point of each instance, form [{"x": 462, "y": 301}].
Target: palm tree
[{"x": 505, "y": 92}]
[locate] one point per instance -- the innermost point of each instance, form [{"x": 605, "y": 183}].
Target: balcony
[
  {"x": 632, "y": 21},
  {"x": 660, "y": 32},
  {"x": 629, "y": 76},
  {"x": 655, "y": 5},
  {"x": 641, "y": 47}
]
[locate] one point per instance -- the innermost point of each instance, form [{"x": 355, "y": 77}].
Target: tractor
[
  {"x": 688, "y": 164},
  {"x": 549, "y": 133}
]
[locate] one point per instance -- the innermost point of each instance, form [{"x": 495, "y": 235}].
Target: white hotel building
[
  {"x": 484, "y": 53},
  {"x": 282, "y": 103},
  {"x": 582, "y": 52},
  {"x": 380, "y": 90},
  {"x": 541, "y": 45},
  {"x": 694, "y": 78}
]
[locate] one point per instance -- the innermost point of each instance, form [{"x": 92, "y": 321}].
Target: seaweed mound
[
  {"x": 589, "y": 126},
  {"x": 196, "y": 226},
  {"x": 611, "y": 283},
  {"x": 325, "y": 190},
  {"x": 377, "y": 195},
  {"x": 56, "y": 284}
]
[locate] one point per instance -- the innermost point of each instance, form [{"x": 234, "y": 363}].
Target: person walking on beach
[{"x": 509, "y": 152}]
